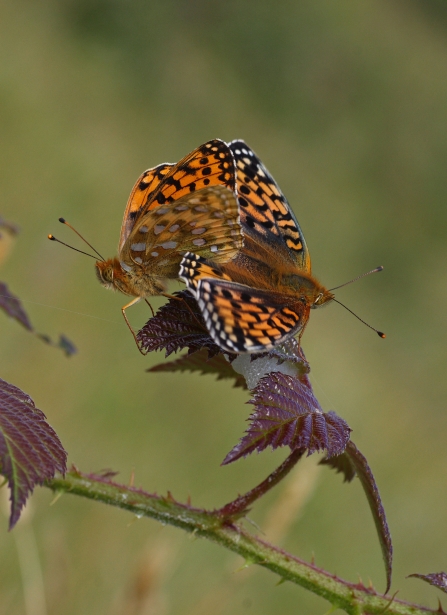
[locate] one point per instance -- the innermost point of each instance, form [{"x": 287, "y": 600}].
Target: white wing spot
[
  {"x": 199, "y": 231},
  {"x": 159, "y": 228},
  {"x": 154, "y": 253},
  {"x": 125, "y": 267},
  {"x": 138, "y": 247},
  {"x": 181, "y": 208},
  {"x": 201, "y": 209},
  {"x": 161, "y": 210},
  {"x": 144, "y": 229},
  {"x": 138, "y": 260},
  {"x": 214, "y": 248},
  {"x": 174, "y": 228},
  {"x": 169, "y": 245},
  {"x": 199, "y": 242}
]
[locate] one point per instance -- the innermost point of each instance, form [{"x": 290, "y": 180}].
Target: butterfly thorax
[
  {"x": 283, "y": 278},
  {"x": 307, "y": 287},
  {"x": 134, "y": 282}
]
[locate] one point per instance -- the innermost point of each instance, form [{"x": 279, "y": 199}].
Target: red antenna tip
[
  {"x": 380, "y": 334},
  {"x": 51, "y": 237}
]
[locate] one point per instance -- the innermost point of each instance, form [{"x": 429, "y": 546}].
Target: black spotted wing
[
  {"x": 209, "y": 165},
  {"x": 266, "y": 215},
  {"x": 204, "y": 221},
  {"x": 240, "y": 318}
]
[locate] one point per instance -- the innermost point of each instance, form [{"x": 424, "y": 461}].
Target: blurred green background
[{"x": 346, "y": 104}]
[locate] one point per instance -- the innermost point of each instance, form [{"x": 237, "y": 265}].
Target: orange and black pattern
[
  {"x": 240, "y": 318},
  {"x": 265, "y": 212},
  {"x": 263, "y": 296},
  {"x": 209, "y": 165},
  {"x": 173, "y": 209}
]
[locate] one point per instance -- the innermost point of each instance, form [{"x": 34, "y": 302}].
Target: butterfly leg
[
  {"x": 152, "y": 309},
  {"x": 123, "y": 310},
  {"x": 300, "y": 335}
]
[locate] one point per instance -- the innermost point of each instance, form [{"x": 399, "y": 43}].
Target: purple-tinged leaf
[
  {"x": 341, "y": 464},
  {"x": 288, "y": 414},
  {"x": 12, "y": 306},
  {"x": 200, "y": 362},
  {"x": 64, "y": 343},
  {"x": 437, "y": 579},
  {"x": 30, "y": 450},
  {"x": 178, "y": 324},
  {"x": 352, "y": 463}
]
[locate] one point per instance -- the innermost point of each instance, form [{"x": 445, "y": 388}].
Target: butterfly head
[
  {"x": 106, "y": 272},
  {"x": 322, "y": 297},
  {"x": 111, "y": 275},
  {"x": 137, "y": 283}
]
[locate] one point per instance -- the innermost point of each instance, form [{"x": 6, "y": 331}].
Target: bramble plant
[{"x": 285, "y": 413}]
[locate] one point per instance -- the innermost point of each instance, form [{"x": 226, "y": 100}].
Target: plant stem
[
  {"x": 239, "y": 507},
  {"x": 354, "y": 599}
]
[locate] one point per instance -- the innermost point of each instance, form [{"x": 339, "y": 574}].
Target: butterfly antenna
[
  {"x": 63, "y": 221},
  {"x": 53, "y": 238},
  {"x": 376, "y": 270},
  {"x": 379, "y": 333}
]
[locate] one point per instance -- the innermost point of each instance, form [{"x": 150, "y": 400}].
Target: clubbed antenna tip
[{"x": 63, "y": 221}]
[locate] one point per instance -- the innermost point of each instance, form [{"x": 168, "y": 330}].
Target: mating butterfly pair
[{"x": 218, "y": 220}]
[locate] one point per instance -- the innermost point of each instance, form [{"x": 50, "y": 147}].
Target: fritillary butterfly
[
  {"x": 264, "y": 296},
  {"x": 173, "y": 209}
]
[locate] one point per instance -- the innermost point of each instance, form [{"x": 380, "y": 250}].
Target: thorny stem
[
  {"x": 354, "y": 599},
  {"x": 239, "y": 507}
]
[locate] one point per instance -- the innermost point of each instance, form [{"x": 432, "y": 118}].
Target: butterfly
[
  {"x": 173, "y": 209},
  {"x": 265, "y": 294}
]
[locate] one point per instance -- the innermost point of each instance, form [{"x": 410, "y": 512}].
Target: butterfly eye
[
  {"x": 104, "y": 272},
  {"x": 318, "y": 299}
]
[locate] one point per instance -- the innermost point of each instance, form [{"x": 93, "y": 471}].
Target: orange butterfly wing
[
  {"x": 209, "y": 165},
  {"x": 266, "y": 215},
  {"x": 240, "y": 318},
  {"x": 206, "y": 221},
  {"x": 145, "y": 185}
]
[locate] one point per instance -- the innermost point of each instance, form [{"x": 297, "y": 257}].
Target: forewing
[
  {"x": 140, "y": 195},
  {"x": 205, "y": 221},
  {"x": 240, "y": 318},
  {"x": 265, "y": 212},
  {"x": 210, "y": 164}
]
